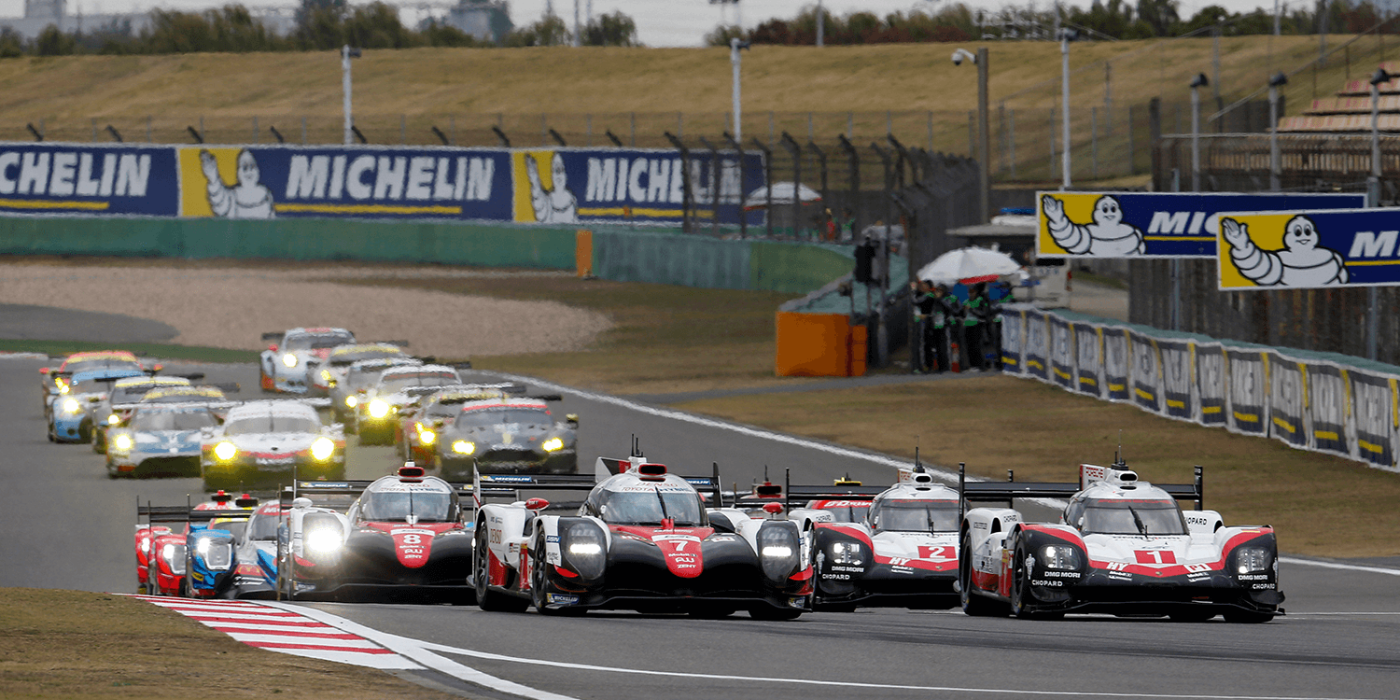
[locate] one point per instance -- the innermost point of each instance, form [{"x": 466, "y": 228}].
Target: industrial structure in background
[{"x": 483, "y": 20}]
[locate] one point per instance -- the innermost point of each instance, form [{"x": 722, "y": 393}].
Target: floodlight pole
[
  {"x": 1196, "y": 84},
  {"x": 347, "y": 52},
  {"x": 984, "y": 142},
  {"x": 1373, "y": 199},
  {"x": 1065, "y": 36},
  {"x": 735, "y": 44},
  {"x": 1275, "y": 159}
]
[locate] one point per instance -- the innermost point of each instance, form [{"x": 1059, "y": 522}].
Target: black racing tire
[
  {"x": 85, "y": 431},
  {"x": 537, "y": 584},
  {"x": 112, "y": 472},
  {"x": 53, "y": 434},
  {"x": 973, "y": 605},
  {"x": 1021, "y": 590},
  {"x": 1248, "y": 617},
  {"x": 487, "y": 599},
  {"x": 99, "y": 441},
  {"x": 770, "y": 613}
]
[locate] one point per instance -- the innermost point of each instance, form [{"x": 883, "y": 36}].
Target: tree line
[
  {"x": 1115, "y": 19},
  {"x": 320, "y": 25}
]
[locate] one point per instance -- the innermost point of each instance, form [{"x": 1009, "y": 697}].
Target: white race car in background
[
  {"x": 377, "y": 411},
  {"x": 323, "y": 373},
  {"x": 268, "y": 442},
  {"x": 283, "y": 364},
  {"x": 1122, "y": 546}
]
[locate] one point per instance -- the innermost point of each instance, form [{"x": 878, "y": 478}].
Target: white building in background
[
  {"x": 484, "y": 20},
  {"x": 39, "y": 14}
]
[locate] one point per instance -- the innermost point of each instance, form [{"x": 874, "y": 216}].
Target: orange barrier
[
  {"x": 583, "y": 252},
  {"x": 819, "y": 345}
]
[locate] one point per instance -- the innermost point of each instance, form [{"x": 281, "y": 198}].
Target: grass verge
[
  {"x": 132, "y": 649},
  {"x": 163, "y": 351},
  {"x": 1042, "y": 432}
]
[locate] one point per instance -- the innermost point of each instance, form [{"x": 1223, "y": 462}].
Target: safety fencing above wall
[
  {"x": 1313, "y": 401},
  {"x": 538, "y": 186}
]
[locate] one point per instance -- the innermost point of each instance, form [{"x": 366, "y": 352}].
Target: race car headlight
[
  {"x": 846, "y": 553},
  {"x": 1059, "y": 556},
  {"x": 553, "y": 444},
  {"x": 322, "y": 449},
  {"x": 777, "y": 545},
  {"x": 122, "y": 442},
  {"x": 585, "y": 549},
  {"x": 462, "y": 447},
  {"x": 71, "y": 406},
  {"x": 323, "y": 540},
  {"x": 1252, "y": 559},
  {"x": 426, "y": 436},
  {"x": 378, "y": 409},
  {"x": 325, "y": 375},
  {"x": 113, "y": 419},
  {"x": 216, "y": 555},
  {"x": 174, "y": 556},
  {"x": 777, "y": 551},
  {"x": 352, "y": 401},
  {"x": 289, "y": 360},
  {"x": 225, "y": 450}
]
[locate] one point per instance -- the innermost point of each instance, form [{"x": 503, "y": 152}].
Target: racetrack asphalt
[
  {"x": 66, "y": 525},
  {"x": 25, "y": 322}
]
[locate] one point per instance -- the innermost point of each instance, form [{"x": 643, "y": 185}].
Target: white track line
[
  {"x": 421, "y": 653},
  {"x": 835, "y": 450}
]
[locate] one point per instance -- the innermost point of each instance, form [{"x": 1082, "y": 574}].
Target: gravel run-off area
[{"x": 232, "y": 307}]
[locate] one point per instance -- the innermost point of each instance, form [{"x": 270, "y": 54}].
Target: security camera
[{"x": 961, "y": 54}]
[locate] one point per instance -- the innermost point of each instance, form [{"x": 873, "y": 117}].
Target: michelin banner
[
  {"x": 554, "y": 186},
  {"x": 84, "y": 179},
  {"x": 1315, "y": 405},
  {"x": 1153, "y": 224},
  {"x": 1309, "y": 249}
]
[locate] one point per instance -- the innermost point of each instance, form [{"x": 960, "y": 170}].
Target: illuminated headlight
[
  {"x": 846, "y": 553},
  {"x": 122, "y": 442},
  {"x": 71, "y": 406},
  {"x": 113, "y": 419},
  {"x": 462, "y": 447},
  {"x": 352, "y": 401},
  {"x": 289, "y": 360},
  {"x": 426, "y": 437},
  {"x": 585, "y": 548},
  {"x": 553, "y": 444},
  {"x": 325, "y": 375},
  {"x": 145, "y": 545},
  {"x": 225, "y": 450},
  {"x": 585, "y": 551},
  {"x": 777, "y": 551},
  {"x": 174, "y": 556},
  {"x": 62, "y": 388},
  {"x": 322, "y": 449},
  {"x": 378, "y": 409},
  {"x": 1251, "y": 559},
  {"x": 216, "y": 555},
  {"x": 323, "y": 540},
  {"x": 1059, "y": 556}
]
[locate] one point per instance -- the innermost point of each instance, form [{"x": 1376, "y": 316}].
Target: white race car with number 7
[
  {"x": 641, "y": 541},
  {"x": 1122, "y": 546}
]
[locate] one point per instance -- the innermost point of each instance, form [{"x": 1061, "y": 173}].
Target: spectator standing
[
  {"x": 974, "y": 325},
  {"x": 947, "y": 326},
  {"x": 848, "y": 225}
]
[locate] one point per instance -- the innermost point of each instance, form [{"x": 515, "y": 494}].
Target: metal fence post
[
  {"x": 743, "y": 215},
  {"x": 882, "y": 332},
  {"x": 821, "y": 163},
  {"x": 853, "y": 159},
  {"x": 714, "y": 186},
  {"x": 685, "y": 181},
  {"x": 796, "y": 150},
  {"x": 768, "y": 180},
  {"x": 1011, "y": 139}
]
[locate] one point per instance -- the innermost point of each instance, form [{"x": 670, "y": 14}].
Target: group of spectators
[{"x": 946, "y": 325}]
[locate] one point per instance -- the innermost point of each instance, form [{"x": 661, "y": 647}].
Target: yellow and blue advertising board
[
  {"x": 1309, "y": 249},
  {"x": 1153, "y": 224}
]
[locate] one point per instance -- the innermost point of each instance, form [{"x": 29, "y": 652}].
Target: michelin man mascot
[
  {"x": 1301, "y": 263},
  {"x": 552, "y": 206},
  {"x": 247, "y": 198},
  {"x": 1107, "y": 236}
]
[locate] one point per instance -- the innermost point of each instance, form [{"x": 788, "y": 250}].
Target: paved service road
[{"x": 1338, "y": 640}]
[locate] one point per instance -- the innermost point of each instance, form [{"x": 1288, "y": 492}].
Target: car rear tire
[
  {"x": 973, "y": 605},
  {"x": 487, "y": 599}
]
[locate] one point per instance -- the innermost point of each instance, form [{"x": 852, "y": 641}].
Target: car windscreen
[
  {"x": 343, "y": 359},
  {"x": 182, "y": 397},
  {"x": 173, "y": 420},
  {"x": 498, "y": 416},
  {"x": 362, "y": 377},
  {"x": 233, "y": 527},
  {"x": 917, "y": 515},
  {"x": 317, "y": 342},
  {"x": 644, "y": 507},
  {"x": 846, "y": 511},
  {"x": 104, "y": 363},
  {"x": 272, "y": 423},
  {"x": 398, "y": 505},
  {"x": 1115, "y": 516},
  {"x": 130, "y": 394},
  {"x": 264, "y": 528},
  {"x": 395, "y": 383}
]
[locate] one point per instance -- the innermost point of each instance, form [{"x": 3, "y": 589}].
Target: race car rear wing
[
  {"x": 354, "y": 487},
  {"x": 487, "y": 484},
  {"x": 186, "y": 513},
  {"x": 979, "y": 491}
]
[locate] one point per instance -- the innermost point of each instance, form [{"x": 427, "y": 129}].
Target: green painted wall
[
  {"x": 295, "y": 239},
  {"x": 667, "y": 257}
]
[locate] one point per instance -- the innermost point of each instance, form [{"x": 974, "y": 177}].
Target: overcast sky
[{"x": 659, "y": 22}]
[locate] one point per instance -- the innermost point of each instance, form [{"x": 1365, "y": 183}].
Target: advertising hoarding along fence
[
  {"x": 1153, "y": 224},
  {"x": 1310, "y": 404},
  {"x": 555, "y": 186},
  {"x": 1309, "y": 249}
]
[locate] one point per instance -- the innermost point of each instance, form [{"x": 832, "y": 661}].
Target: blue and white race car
[
  {"x": 159, "y": 439},
  {"x": 71, "y": 410},
  {"x": 283, "y": 366},
  {"x": 124, "y": 392}
]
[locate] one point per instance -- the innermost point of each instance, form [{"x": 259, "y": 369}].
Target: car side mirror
[
  {"x": 572, "y": 420},
  {"x": 45, "y": 370},
  {"x": 536, "y": 504},
  {"x": 157, "y": 367},
  {"x": 272, "y": 347},
  {"x": 330, "y": 383},
  {"x": 437, "y": 423}
]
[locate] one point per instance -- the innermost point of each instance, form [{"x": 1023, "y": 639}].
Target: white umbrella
[
  {"x": 782, "y": 194},
  {"x": 969, "y": 266}
]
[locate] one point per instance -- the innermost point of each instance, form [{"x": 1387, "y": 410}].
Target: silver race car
[{"x": 269, "y": 442}]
